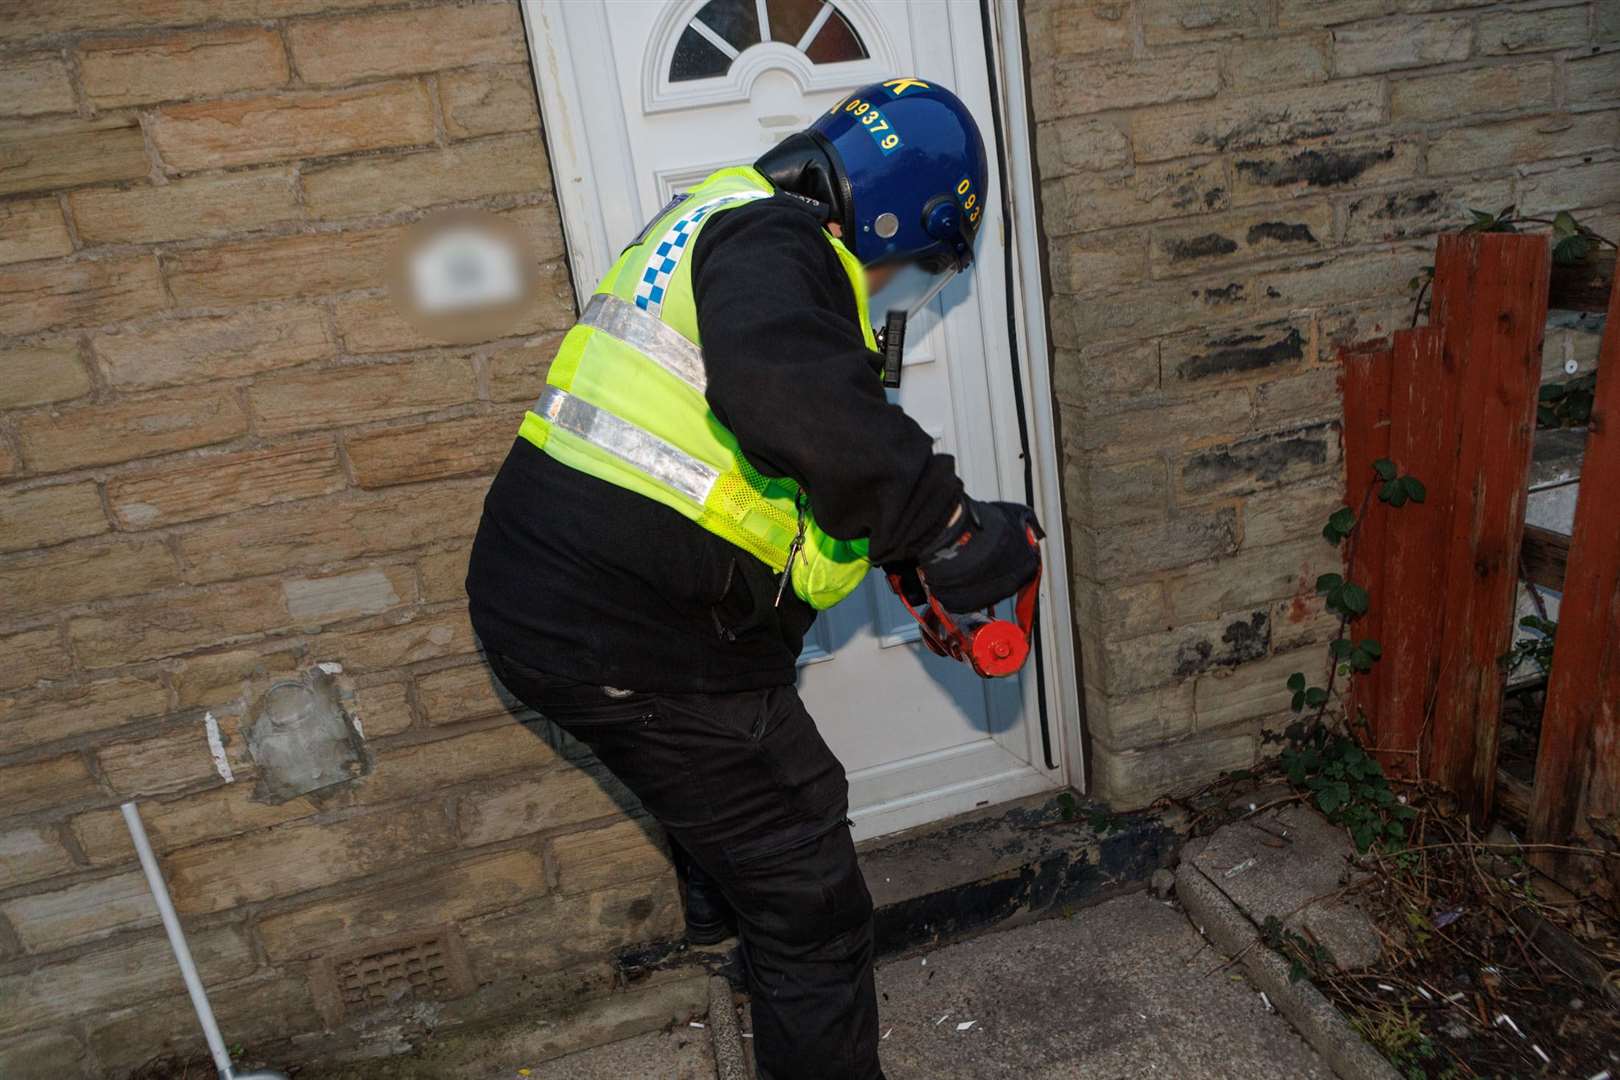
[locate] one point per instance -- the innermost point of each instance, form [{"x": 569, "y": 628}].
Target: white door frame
[{"x": 596, "y": 190}]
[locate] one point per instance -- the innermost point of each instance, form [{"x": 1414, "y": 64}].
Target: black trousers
[{"x": 748, "y": 789}]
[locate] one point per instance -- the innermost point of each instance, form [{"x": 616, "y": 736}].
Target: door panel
[{"x": 682, "y": 87}]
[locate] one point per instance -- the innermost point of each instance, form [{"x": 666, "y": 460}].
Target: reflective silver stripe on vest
[
  {"x": 649, "y": 335},
  {"x": 647, "y": 452}
]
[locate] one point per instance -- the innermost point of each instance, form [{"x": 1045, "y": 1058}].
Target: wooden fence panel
[
  {"x": 1366, "y": 439},
  {"x": 1491, "y": 305},
  {"x": 1423, "y": 442},
  {"x": 1578, "y": 766}
]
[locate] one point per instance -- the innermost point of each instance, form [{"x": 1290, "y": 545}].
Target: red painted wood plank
[
  {"x": 1423, "y": 443},
  {"x": 1578, "y": 767},
  {"x": 1491, "y": 304},
  {"x": 1366, "y": 385}
]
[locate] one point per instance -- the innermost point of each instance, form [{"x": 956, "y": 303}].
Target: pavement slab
[
  {"x": 681, "y": 1053},
  {"x": 1124, "y": 989}
]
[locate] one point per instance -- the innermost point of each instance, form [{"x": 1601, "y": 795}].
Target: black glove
[{"x": 983, "y": 556}]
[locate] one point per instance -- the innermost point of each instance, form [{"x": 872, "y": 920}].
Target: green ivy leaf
[
  {"x": 1371, "y": 647},
  {"x": 1315, "y": 696},
  {"x": 1414, "y": 488},
  {"x": 1328, "y": 583},
  {"x": 1296, "y": 681},
  {"x": 1343, "y": 519},
  {"x": 1341, "y": 649},
  {"x": 1564, "y": 224},
  {"x": 1385, "y": 469},
  {"x": 1354, "y": 598}
]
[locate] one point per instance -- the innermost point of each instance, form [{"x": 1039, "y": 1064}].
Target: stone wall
[
  {"x": 1230, "y": 190},
  {"x": 224, "y": 460}
]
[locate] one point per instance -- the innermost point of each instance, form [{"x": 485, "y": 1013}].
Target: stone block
[
  {"x": 1499, "y": 88},
  {"x": 1074, "y": 29},
  {"x": 1134, "y": 665},
  {"x": 317, "y": 601},
  {"x": 226, "y": 677},
  {"x": 1309, "y": 396},
  {"x": 117, "y": 974},
  {"x": 1080, "y": 144},
  {"x": 45, "y": 582},
  {"x": 1518, "y": 142},
  {"x": 1086, "y": 376},
  {"x": 32, "y": 84},
  {"x": 1327, "y": 165},
  {"x": 224, "y": 483},
  {"x": 164, "y": 761},
  {"x": 1594, "y": 78},
  {"x": 514, "y": 165},
  {"x": 517, "y": 372},
  {"x": 222, "y": 874},
  {"x": 1255, "y": 690},
  {"x": 560, "y": 930},
  {"x": 1130, "y": 779},
  {"x": 1366, "y": 48},
  {"x": 383, "y": 709},
  {"x": 469, "y": 692},
  {"x": 1193, "y": 362},
  {"x": 1511, "y": 32},
  {"x": 1571, "y": 187},
  {"x": 80, "y": 292},
  {"x": 47, "y": 782},
  {"x": 1169, "y": 21},
  {"x": 41, "y": 373},
  {"x": 444, "y": 575},
  {"x": 599, "y": 858},
  {"x": 375, "y": 324},
  {"x": 1081, "y": 203},
  {"x": 247, "y": 131},
  {"x": 438, "y": 895},
  {"x": 358, "y": 393},
  {"x": 32, "y": 853},
  {"x": 1295, "y": 13},
  {"x": 185, "y": 209},
  {"x": 30, "y": 656},
  {"x": 130, "y": 427},
  {"x": 1266, "y": 63},
  {"x": 201, "y": 64},
  {"x": 33, "y": 719},
  {"x": 488, "y": 100},
  {"x": 164, "y": 626},
  {"x": 1257, "y": 121},
  {"x": 1075, "y": 86},
  {"x": 281, "y": 268},
  {"x": 1241, "y": 237},
  {"x": 1139, "y": 720},
  {"x": 1290, "y": 513},
  {"x": 1097, "y": 262},
  {"x": 410, "y": 772},
  {"x": 1117, "y": 554},
  {"x": 233, "y": 346},
  {"x": 1120, "y": 611},
  {"x": 1122, "y": 436},
  {"x": 1398, "y": 215},
  {"x": 399, "y": 42},
  {"x": 1341, "y": 327},
  {"x": 1299, "y": 621},
  {"x": 1250, "y": 579},
  {"x": 49, "y": 155},
  {"x": 191, "y": 819},
  {"x": 1117, "y": 494},
  {"x": 55, "y": 1054},
  {"x": 556, "y": 799},
  {"x": 309, "y": 534},
  {"x": 33, "y": 229},
  {"x": 1250, "y": 465},
  {"x": 474, "y": 446},
  {"x": 81, "y": 912},
  {"x": 34, "y": 517}
]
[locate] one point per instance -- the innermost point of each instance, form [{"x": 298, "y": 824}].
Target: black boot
[{"x": 709, "y": 918}]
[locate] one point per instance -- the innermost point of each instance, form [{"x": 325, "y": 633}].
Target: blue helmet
[{"x": 908, "y": 172}]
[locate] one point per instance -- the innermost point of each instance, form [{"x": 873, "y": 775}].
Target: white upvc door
[{"x": 641, "y": 99}]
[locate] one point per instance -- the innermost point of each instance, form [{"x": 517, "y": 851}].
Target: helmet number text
[{"x": 876, "y": 124}]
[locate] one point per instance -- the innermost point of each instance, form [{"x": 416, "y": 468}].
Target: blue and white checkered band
[{"x": 670, "y": 250}]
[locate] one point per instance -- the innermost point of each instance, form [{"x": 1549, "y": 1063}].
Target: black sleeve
[{"x": 790, "y": 375}]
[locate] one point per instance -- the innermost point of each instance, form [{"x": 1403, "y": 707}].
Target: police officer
[{"x": 713, "y": 459}]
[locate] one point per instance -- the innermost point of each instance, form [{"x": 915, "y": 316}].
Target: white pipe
[{"x": 177, "y": 941}]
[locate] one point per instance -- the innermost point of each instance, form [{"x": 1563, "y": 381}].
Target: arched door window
[{"x": 722, "y": 30}]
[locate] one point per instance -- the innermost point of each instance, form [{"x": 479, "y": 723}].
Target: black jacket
[{"x": 580, "y": 578}]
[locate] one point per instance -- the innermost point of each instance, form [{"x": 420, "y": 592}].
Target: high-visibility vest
[{"x": 624, "y": 402}]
